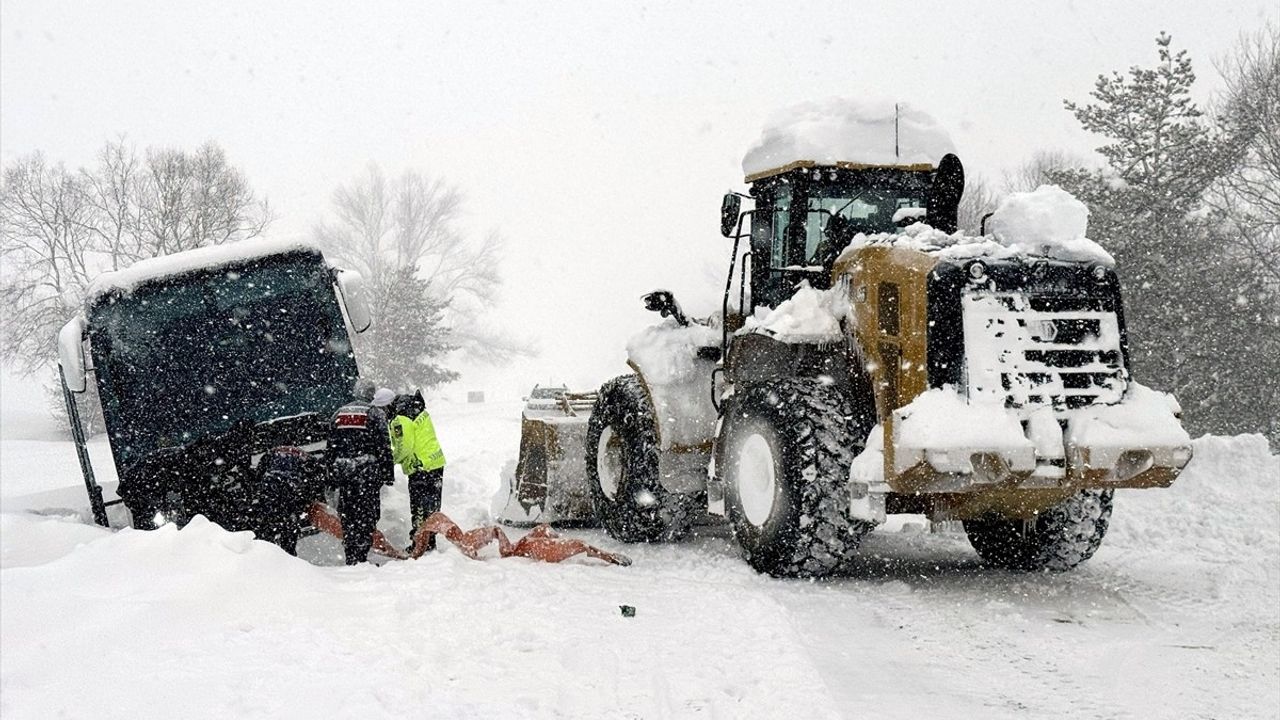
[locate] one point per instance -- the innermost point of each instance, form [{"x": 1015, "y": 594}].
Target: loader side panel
[{"x": 891, "y": 325}]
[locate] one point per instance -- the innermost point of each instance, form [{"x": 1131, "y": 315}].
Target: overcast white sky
[{"x": 598, "y": 138}]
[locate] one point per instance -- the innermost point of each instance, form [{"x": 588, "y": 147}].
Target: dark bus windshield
[{"x": 184, "y": 358}]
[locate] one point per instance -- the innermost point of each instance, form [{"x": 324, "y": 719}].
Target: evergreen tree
[
  {"x": 401, "y": 350},
  {"x": 1201, "y": 321}
]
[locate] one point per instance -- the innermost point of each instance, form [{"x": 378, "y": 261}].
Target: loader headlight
[
  {"x": 977, "y": 271},
  {"x": 1099, "y": 273}
]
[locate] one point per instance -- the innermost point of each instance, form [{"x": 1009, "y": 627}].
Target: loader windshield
[
  {"x": 805, "y": 219},
  {"x": 183, "y": 358},
  {"x": 859, "y": 210}
]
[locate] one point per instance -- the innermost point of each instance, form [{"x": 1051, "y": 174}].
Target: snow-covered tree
[
  {"x": 1201, "y": 322},
  {"x": 404, "y": 347},
  {"x": 430, "y": 283},
  {"x": 1247, "y": 197}
]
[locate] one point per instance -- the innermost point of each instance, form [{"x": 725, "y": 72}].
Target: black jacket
[{"x": 358, "y": 438}]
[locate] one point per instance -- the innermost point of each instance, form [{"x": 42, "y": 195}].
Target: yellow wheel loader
[{"x": 869, "y": 360}]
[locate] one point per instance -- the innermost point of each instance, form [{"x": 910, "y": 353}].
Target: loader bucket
[{"x": 549, "y": 484}]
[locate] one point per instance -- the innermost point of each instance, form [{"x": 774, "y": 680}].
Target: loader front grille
[{"x": 1059, "y": 352}]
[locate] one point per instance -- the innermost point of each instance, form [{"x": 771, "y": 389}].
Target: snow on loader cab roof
[
  {"x": 191, "y": 350},
  {"x": 869, "y": 359}
]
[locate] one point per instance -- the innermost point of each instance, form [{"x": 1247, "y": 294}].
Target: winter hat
[
  {"x": 363, "y": 389},
  {"x": 383, "y": 397}
]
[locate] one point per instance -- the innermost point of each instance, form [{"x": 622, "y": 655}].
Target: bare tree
[
  {"x": 1040, "y": 170},
  {"x": 46, "y": 244},
  {"x": 58, "y": 229},
  {"x": 1248, "y": 197},
  {"x": 384, "y": 228},
  {"x": 978, "y": 200},
  {"x": 113, "y": 190},
  {"x": 190, "y": 200}
]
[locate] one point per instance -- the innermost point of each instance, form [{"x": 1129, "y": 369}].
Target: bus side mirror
[
  {"x": 351, "y": 290},
  {"x": 729, "y": 210},
  {"x": 71, "y": 354}
]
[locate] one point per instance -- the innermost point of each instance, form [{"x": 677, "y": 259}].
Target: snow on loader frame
[
  {"x": 190, "y": 349},
  {"x": 872, "y": 360}
]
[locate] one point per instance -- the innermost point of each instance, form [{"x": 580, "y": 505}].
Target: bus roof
[{"x": 153, "y": 269}]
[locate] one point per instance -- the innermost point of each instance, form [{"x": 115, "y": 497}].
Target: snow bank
[
  {"x": 234, "y": 252},
  {"x": 806, "y": 316},
  {"x": 201, "y": 554},
  {"x": 36, "y": 539},
  {"x": 850, "y": 131},
  {"x": 1225, "y": 507},
  {"x": 679, "y": 382},
  {"x": 1047, "y": 222},
  {"x": 135, "y": 624}
]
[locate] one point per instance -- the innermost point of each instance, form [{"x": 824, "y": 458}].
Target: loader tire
[
  {"x": 785, "y": 451},
  {"x": 622, "y": 468},
  {"x": 1058, "y": 539}
]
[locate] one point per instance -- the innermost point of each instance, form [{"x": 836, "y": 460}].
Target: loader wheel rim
[
  {"x": 609, "y": 464},
  {"x": 757, "y": 479}
]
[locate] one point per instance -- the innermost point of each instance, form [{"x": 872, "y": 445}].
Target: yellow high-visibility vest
[{"x": 414, "y": 445}]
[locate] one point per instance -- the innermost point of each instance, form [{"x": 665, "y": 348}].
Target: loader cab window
[
  {"x": 781, "y": 224},
  {"x": 805, "y": 219},
  {"x": 839, "y": 212}
]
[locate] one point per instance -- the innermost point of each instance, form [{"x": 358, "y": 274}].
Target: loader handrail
[{"x": 728, "y": 283}]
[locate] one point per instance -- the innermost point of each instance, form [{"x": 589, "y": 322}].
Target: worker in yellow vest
[{"x": 416, "y": 449}]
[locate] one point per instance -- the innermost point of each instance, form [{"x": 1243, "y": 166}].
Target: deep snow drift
[{"x": 1175, "y": 617}]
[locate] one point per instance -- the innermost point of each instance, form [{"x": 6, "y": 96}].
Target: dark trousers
[
  {"x": 359, "y": 507},
  {"x": 426, "y": 488}
]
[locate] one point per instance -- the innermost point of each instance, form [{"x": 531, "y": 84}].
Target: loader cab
[{"x": 806, "y": 216}]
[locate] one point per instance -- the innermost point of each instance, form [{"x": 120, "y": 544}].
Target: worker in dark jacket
[
  {"x": 289, "y": 482},
  {"x": 417, "y": 450},
  {"x": 359, "y": 465}
]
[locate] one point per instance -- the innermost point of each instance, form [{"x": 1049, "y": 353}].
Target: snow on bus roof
[
  {"x": 128, "y": 279},
  {"x": 843, "y": 131}
]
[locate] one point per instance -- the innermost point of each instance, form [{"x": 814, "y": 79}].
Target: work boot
[{"x": 431, "y": 545}]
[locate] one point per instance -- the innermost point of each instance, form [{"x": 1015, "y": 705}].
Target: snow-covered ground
[{"x": 1176, "y": 617}]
